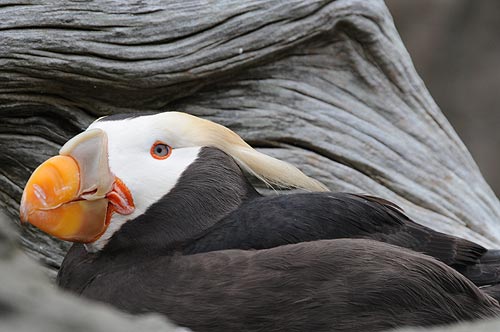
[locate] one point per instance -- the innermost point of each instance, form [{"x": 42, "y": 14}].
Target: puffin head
[{"x": 120, "y": 166}]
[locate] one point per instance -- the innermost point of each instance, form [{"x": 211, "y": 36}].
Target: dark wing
[
  {"x": 447, "y": 248},
  {"x": 296, "y": 288},
  {"x": 485, "y": 272},
  {"x": 268, "y": 222}
]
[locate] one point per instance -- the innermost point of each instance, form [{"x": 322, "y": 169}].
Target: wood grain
[{"x": 326, "y": 85}]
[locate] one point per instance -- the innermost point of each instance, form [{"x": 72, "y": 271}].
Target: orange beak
[{"x": 72, "y": 196}]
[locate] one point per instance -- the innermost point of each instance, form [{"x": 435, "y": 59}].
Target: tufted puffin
[{"x": 163, "y": 220}]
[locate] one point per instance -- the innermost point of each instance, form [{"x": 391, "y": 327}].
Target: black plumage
[
  {"x": 174, "y": 259},
  {"x": 214, "y": 207},
  {"x": 266, "y": 222},
  {"x": 328, "y": 285}
]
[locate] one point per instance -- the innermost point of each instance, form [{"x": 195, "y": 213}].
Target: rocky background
[
  {"x": 455, "y": 46},
  {"x": 324, "y": 84},
  {"x": 30, "y": 302}
]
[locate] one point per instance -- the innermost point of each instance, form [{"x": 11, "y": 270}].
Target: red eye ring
[{"x": 160, "y": 150}]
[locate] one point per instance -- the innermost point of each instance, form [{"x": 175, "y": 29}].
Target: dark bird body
[
  {"x": 240, "y": 218},
  {"x": 329, "y": 285},
  {"x": 212, "y": 254},
  {"x": 267, "y": 222},
  {"x": 157, "y": 264}
]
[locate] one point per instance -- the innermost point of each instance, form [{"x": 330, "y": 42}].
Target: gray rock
[
  {"x": 324, "y": 84},
  {"x": 29, "y": 302},
  {"x": 454, "y": 46}
]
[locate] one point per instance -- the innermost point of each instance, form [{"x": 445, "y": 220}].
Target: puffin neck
[{"x": 208, "y": 190}]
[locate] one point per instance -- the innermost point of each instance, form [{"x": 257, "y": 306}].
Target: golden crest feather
[{"x": 193, "y": 131}]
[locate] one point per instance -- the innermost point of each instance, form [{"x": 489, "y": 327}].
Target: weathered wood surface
[
  {"x": 324, "y": 84},
  {"x": 29, "y": 303}
]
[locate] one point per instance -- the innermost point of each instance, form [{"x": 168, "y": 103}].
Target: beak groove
[
  {"x": 68, "y": 196},
  {"x": 90, "y": 151}
]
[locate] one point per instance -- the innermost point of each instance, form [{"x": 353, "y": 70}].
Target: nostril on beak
[{"x": 90, "y": 195}]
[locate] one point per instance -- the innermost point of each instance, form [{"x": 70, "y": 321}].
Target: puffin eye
[{"x": 160, "y": 150}]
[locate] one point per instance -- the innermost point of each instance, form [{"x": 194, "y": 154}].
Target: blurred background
[{"x": 455, "y": 47}]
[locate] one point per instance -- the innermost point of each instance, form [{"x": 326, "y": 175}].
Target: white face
[{"x": 130, "y": 159}]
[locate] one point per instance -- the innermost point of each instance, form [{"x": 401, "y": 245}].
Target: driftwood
[
  {"x": 28, "y": 302},
  {"x": 325, "y": 84}
]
